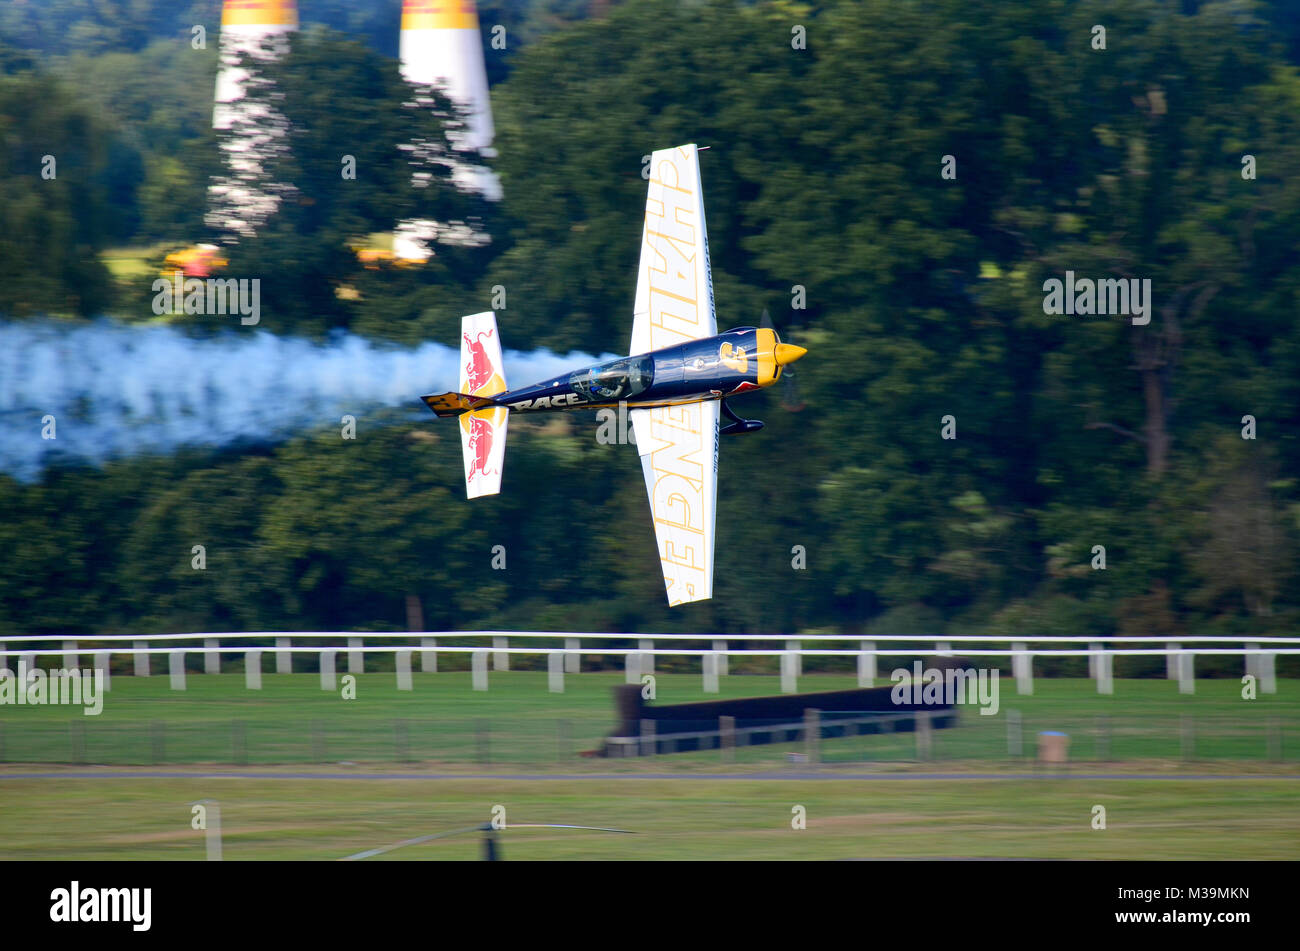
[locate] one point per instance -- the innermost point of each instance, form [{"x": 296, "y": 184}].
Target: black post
[
  {"x": 490, "y": 851},
  {"x": 628, "y": 707}
]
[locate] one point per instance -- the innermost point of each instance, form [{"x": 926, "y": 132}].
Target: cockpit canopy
[{"x": 613, "y": 381}]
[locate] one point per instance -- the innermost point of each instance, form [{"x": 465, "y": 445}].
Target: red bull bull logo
[
  {"x": 481, "y": 433},
  {"x": 478, "y": 368}
]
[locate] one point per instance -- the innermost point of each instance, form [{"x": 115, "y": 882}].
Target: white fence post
[
  {"x": 283, "y": 657},
  {"x": 788, "y": 675},
  {"x": 141, "y": 658},
  {"x": 1187, "y": 673},
  {"x": 572, "y": 662},
  {"x": 1267, "y": 673},
  {"x": 176, "y": 666},
  {"x": 211, "y": 659},
  {"x": 70, "y": 657},
  {"x": 213, "y": 837},
  {"x": 429, "y": 658},
  {"x": 327, "y": 679},
  {"x": 101, "y": 663},
  {"x": 500, "y": 659},
  {"x": 631, "y": 668},
  {"x": 253, "y": 668},
  {"x": 943, "y": 648},
  {"x": 795, "y": 659},
  {"x": 647, "y": 661},
  {"x": 866, "y": 663},
  {"x": 555, "y": 672},
  {"x": 1260, "y": 666},
  {"x": 403, "y": 664},
  {"x": 711, "y": 673},
  {"x": 1105, "y": 669},
  {"x": 1022, "y": 665},
  {"x": 1172, "y": 670},
  {"x": 721, "y": 667},
  {"x": 478, "y": 665},
  {"x": 356, "y": 659}
]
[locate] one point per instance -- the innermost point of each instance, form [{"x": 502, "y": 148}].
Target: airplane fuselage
[{"x": 739, "y": 360}]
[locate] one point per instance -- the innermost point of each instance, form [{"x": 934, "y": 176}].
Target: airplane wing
[
  {"x": 678, "y": 444},
  {"x": 679, "y": 458},
  {"x": 674, "y": 286}
]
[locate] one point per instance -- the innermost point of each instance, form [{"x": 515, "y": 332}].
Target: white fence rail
[{"x": 1259, "y": 653}]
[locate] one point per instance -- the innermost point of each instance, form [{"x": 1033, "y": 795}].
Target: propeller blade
[{"x": 790, "y": 398}]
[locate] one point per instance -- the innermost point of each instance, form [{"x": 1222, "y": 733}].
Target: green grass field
[
  {"x": 1225, "y": 795},
  {"x": 517, "y": 722},
  {"x": 674, "y": 818}
]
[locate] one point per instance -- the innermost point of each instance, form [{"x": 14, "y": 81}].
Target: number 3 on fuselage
[{"x": 678, "y": 372}]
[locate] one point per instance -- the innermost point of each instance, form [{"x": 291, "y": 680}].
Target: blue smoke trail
[{"x": 118, "y": 390}]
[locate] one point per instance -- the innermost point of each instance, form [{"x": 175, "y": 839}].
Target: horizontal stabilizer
[
  {"x": 453, "y": 404},
  {"x": 482, "y": 430},
  {"x": 483, "y": 439}
]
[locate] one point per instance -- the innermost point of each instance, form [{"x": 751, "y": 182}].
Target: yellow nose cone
[{"x": 788, "y": 353}]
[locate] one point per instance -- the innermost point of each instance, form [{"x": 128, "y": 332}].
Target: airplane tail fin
[{"x": 482, "y": 421}]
